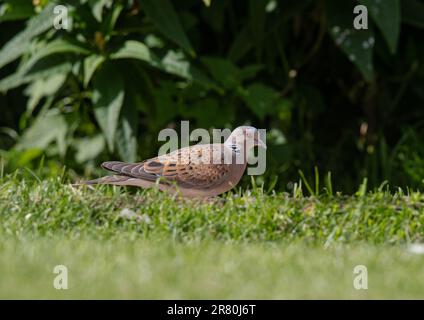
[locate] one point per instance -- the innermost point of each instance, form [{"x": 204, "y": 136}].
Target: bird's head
[{"x": 245, "y": 135}]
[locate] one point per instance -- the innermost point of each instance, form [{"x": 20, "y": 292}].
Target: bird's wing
[{"x": 190, "y": 167}]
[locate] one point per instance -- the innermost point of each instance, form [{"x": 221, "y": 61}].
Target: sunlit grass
[
  {"x": 50, "y": 208},
  {"x": 129, "y": 243},
  {"x": 209, "y": 270}
]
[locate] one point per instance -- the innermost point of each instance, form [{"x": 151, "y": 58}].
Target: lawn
[{"x": 128, "y": 243}]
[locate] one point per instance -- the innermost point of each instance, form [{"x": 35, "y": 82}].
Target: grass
[
  {"x": 145, "y": 269},
  {"x": 127, "y": 243}
]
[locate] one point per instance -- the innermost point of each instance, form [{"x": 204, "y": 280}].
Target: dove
[{"x": 200, "y": 171}]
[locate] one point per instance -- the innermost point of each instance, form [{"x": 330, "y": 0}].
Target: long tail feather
[
  {"x": 115, "y": 179},
  {"x": 114, "y": 166}
]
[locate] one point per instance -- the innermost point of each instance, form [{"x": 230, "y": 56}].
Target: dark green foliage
[{"x": 343, "y": 100}]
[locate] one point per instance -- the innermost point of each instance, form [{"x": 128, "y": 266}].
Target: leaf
[
  {"x": 53, "y": 47},
  {"x": 201, "y": 78},
  {"x": 244, "y": 42},
  {"x": 97, "y": 7},
  {"x": 241, "y": 46},
  {"x": 41, "y": 70},
  {"x": 43, "y": 87},
  {"x": 20, "y": 43},
  {"x": 37, "y": 67},
  {"x": 27, "y": 156},
  {"x": 223, "y": 71},
  {"x": 250, "y": 71},
  {"x": 413, "y": 12},
  {"x": 166, "y": 19},
  {"x": 358, "y": 45},
  {"x": 132, "y": 49},
  {"x": 89, "y": 148},
  {"x": 164, "y": 103},
  {"x": 207, "y": 2},
  {"x": 261, "y": 99},
  {"x": 112, "y": 18},
  {"x": 91, "y": 63},
  {"x": 126, "y": 135},
  {"x": 47, "y": 128},
  {"x": 16, "y": 10},
  {"x": 207, "y": 112},
  {"x": 386, "y": 15},
  {"x": 177, "y": 64},
  {"x": 108, "y": 97},
  {"x": 174, "y": 62}
]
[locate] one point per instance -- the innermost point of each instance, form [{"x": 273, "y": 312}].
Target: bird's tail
[{"x": 114, "y": 179}]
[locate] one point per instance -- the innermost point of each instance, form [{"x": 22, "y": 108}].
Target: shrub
[{"x": 330, "y": 95}]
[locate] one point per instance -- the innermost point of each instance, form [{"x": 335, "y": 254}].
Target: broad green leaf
[
  {"x": 48, "y": 127},
  {"x": 108, "y": 97},
  {"x": 153, "y": 41},
  {"x": 413, "y": 12},
  {"x": 27, "y": 156},
  {"x": 201, "y": 78},
  {"x": 43, "y": 87},
  {"x": 112, "y": 18},
  {"x": 208, "y": 112},
  {"x": 126, "y": 134},
  {"x": 358, "y": 45},
  {"x": 250, "y": 71},
  {"x": 132, "y": 49},
  {"x": 223, "y": 71},
  {"x": 276, "y": 136},
  {"x": 16, "y": 10},
  {"x": 175, "y": 63},
  {"x": 166, "y": 19},
  {"x": 89, "y": 148},
  {"x": 165, "y": 108},
  {"x": 91, "y": 63},
  {"x": 21, "y": 42},
  {"x": 43, "y": 70},
  {"x": 53, "y": 47},
  {"x": 261, "y": 99},
  {"x": 241, "y": 46},
  {"x": 386, "y": 15},
  {"x": 243, "y": 41},
  {"x": 97, "y": 7}
]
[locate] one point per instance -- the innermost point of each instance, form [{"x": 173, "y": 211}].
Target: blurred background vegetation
[{"x": 347, "y": 101}]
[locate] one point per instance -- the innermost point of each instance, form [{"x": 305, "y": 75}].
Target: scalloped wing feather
[{"x": 190, "y": 167}]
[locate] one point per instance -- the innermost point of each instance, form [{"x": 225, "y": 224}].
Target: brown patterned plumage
[{"x": 199, "y": 171}]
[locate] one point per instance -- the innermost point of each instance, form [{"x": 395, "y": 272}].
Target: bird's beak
[{"x": 260, "y": 143}]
